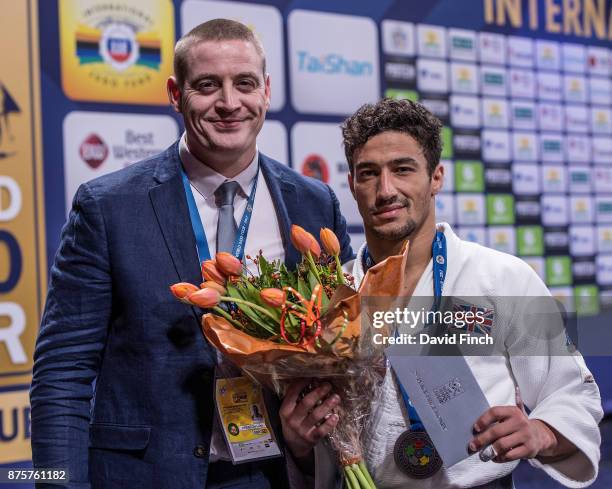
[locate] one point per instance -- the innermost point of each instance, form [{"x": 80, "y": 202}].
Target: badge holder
[{"x": 244, "y": 420}]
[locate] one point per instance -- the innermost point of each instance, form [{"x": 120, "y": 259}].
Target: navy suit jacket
[{"x": 122, "y": 389}]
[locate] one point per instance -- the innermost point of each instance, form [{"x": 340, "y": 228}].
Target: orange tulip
[
  {"x": 314, "y": 248},
  {"x": 273, "y": 297},
  {"x": 331, "y": 245},
  {"x": 182, "y": 290},
  {"x": 213, "y": 285},
  {"x": 205, "y": 298},
  {"x": 303, "y": 240},
  {"x": 228, "y": 264},
  {"x": 210, "y": 271}
]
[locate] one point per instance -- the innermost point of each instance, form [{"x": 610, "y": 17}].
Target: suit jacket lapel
[
  {"x": 284, "y": 197},
  {"x": 170, "y": 205}
]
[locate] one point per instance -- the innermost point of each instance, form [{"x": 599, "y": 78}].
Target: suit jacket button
[{"x": 200, "y": 451}]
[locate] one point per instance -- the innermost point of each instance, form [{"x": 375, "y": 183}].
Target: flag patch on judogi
[{"x": 480, "y": 321}]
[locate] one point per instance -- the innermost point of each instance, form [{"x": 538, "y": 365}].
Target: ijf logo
[
  {"x": 398, "y": 37},
  {"x": 315, "y": 166},
  {"x": 116, "y": 52},
  {"x": 8, "y": 110}
]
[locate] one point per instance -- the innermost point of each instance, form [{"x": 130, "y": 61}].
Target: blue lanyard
[
  {"x": 198, "y": 228},
  {"x": 438, "y": 252}
]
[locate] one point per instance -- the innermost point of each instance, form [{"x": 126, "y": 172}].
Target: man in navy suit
[{"x": 122, "y": 390}]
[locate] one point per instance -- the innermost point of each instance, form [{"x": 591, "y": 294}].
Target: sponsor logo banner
[
  {"x": 400, "y": 71},
  {"x": 603, "y": 179},
  {"x": 465, "y": 111},
  {"x": 522, "y": 83},
  {"x": 265, "y": 20},
  {"x": 116, "y": 51},
  {"x": 603, "y": 209},
  {"x": 97, "y": 143},
  {"x": 583, "y": 269},
  {"x": 600, "y": 91},
  {"x": 502, "y": 238},
  {"x": 467, "y": 144},
  {"x": 558, "y": 270},
  {"x": 554, "y": 210},
  {"x": 398, "y": 38},
  {"x": 528, "y": 210},
  {"x": 474, "y": 234},
  {"x": 579, "y": 179},
  {"x": 469, "y": 176},
  {"x": 445, "y": 208},
  {"x": 581, "y": 209},
  {"x": 272, "y": 141},
  {"x": 498, "y": 178},
  {"x": 23, "y": 261},
  {"x": 525, "y": 179},
  {"x": 464, "y": 78},
  {"x": 551, "y": 147},
  {"x": 550, "y": 117},
  {"x": 462, "y": 44},
  {"x": 15, "y": 435},
  {"x": 524, "y": 146},
  {"x": 602, "y": 149},
  {"x": 500, "y": 209},
  {"x": 554, "y": 179},
  {"x": 576, "y": 118},
  {"x": 344, "y": 53},
  {"x": 573, "y": 57},
  {"x": 495, "y": 113},
  {"x": 317, "y": 152},
  {"x": 495, "y": 146},
  {"x": 548, "y": 55},
  {"x": 604, "y": 269},
  {"x": 582, "y": 240},
  {"x": 520, "y": 51},
  {"x": 578, "y": 148},
  {"x": 493, "y": 81},
  {"x": 604, "y": 238},
  {"x": 537, "y": 263},
  {"x": 549, "y": 86},
  {"x": 470, "y": 209},
  {"x": 492, "y": 48},
  {"x": 574, "y": 89},
  {"x": 586, "y": 298},
  {"x": 601, "y": 120},
  {"x": 523, "y": 114},
  {"x": 449, "y": 176},
  {"x": 598, "y": 61},
  {"x": 431, "y": 41},
  {"x": 437, "y": 106},
  {"x": 432, "y": 76},
  {"x": 401, "y": 94},
  {"x": 530, "y": 240}
]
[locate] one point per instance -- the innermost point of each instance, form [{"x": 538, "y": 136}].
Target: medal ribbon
[{"x": 438, "y": 252}]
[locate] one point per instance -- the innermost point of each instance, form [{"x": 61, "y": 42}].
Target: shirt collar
[{"x": 206, "y": 180}]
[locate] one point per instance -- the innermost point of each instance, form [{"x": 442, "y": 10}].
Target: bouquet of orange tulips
[{"x": 280, "y": 325}]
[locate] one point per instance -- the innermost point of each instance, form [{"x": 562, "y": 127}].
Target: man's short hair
[
  {"x": 388, "y": 114},
  {"x": 213, "y": 30}
]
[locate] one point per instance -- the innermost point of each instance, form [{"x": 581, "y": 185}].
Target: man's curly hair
[{"x": 388, "y": 114}]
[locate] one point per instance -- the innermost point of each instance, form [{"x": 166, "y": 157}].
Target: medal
[{"x": 416, "y": 456}]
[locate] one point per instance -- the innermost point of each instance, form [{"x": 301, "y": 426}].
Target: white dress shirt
[{"x": 264, "y": 230}]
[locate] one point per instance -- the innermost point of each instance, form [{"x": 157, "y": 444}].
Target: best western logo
[{"x": 333, "y": 64}]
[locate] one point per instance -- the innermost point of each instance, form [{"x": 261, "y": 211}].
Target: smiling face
[
  {"x": 392, "y": 187},
  {"x": 223, "y": 100}
]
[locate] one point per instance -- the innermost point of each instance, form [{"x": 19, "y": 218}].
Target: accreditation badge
[{"x": 244, "y": 419}]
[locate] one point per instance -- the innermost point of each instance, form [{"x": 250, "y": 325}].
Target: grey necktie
[{"x": 226, "y": 225}]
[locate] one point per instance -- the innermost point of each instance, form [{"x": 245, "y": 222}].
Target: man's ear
[
  {"x": 437, "y": 179},
  {"x": 268, "y": 90},
  {"x": 351, "y": 183},
  {"x": 174, "y": 94}
]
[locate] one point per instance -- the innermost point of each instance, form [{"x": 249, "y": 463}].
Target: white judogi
[{"x": 559, "y": 390}]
